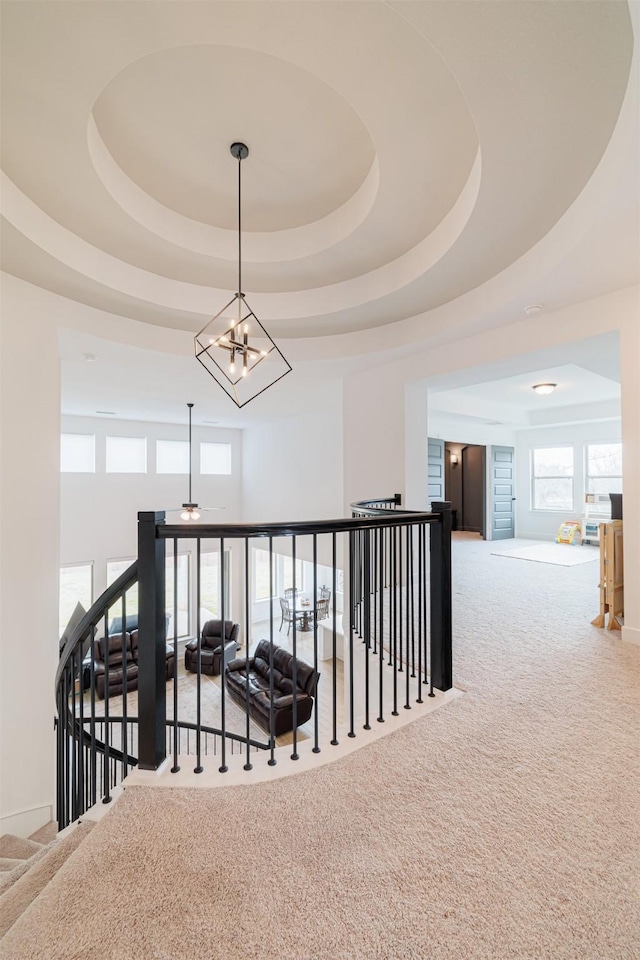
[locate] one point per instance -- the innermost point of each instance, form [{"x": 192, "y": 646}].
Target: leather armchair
[
  {"x": 218, "y": 647},
  {"x": 122, "y": 670}
]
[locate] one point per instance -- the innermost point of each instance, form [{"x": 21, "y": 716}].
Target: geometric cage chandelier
[{"x": 234, "y": 347}]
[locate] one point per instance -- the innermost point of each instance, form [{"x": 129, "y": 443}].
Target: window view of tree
[
  {"x": 76, "y": 586},
  {"x": 604, "y": 468},
  {"x": 210, "y": 605},
  {"x": 552, "y": 478}
]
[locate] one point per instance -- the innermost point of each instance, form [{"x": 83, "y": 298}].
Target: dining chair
[
  {"x": 322, "y": 609},
  {"x": 290, "y": 593},
  {"x": 325, "y": 593},
  {"x": 289, "y": 615}
]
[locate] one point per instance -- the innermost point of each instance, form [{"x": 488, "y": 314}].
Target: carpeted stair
[{"x": 27, "y": 866}]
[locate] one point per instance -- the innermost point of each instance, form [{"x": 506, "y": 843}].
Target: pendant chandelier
[{"x": 234, "y": 347}]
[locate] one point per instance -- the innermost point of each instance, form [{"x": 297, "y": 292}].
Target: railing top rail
[
  {"x": 94, "y": 614},
  {"x": 234, "y": 531}
]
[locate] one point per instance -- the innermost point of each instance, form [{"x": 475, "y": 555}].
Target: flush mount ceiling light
[
  {"x": 234, "y": 347},
  {"x": 544, "y": 388},
  {"x": 533, "y": 309}
]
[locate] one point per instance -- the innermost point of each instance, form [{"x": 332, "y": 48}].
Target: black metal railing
[{"x": 373, "y": 635}]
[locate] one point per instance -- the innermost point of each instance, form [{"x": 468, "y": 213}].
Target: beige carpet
[{"x": 503, "y": 827}]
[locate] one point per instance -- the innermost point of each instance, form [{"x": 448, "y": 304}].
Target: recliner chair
[{"x": 216, "y": 651}]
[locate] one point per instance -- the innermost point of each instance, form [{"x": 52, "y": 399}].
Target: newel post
[
  {"x": 152, "y": 706},
  {"x": 441, "y": 622}
]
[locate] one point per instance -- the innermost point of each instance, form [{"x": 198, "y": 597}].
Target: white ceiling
[{"x": 417, "y": 171}]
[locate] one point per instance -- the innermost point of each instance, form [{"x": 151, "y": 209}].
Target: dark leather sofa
[
  {"x": 121, "y": 671},
  {"x": 215, "y": 653},
  {"x": 258, "y": 678}
]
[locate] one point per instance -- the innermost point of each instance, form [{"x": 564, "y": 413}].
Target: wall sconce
[{"x": 454, "y": 459}]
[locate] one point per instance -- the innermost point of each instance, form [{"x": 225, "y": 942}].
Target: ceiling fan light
[
  {"x": 544, "y": 388},
  {"x": 185, "y": 515}
]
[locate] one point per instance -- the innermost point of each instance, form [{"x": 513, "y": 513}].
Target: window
[
  {"x": 183, "y": 595},
  {"x": 114, "y": 569},
  {"x": 261, "y": 578},
  {"x": 210, "y": 585},
  {"x": 215, "y": 458},
  {"x": 76, "y": 586},
  {"x": 282, "y": 574},
  {"x": 126, "y": 455},
  {"x": 604, "y": 468},
  {"x": 172, "y": 456},
  {"x": 77, "y": 453},
  {"x": 552, "y": 478},
  {"x": 285, "y": 571}
]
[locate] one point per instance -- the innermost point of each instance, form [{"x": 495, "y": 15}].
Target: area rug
[
  {"x": 502, "y": 827},
  {"x": 560, "y": 554}
]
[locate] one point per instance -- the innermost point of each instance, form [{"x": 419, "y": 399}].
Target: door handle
[{"x": 513, "y": 498}]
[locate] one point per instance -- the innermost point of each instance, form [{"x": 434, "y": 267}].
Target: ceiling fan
[{"x": 191, "y": 510}]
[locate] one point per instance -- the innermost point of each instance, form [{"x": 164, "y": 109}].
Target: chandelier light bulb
[{"x": 232, "y": 368}]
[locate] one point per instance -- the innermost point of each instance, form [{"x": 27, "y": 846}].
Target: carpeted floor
[{"x": 504, "y": 826}]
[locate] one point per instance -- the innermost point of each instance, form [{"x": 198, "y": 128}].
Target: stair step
[
  {"x": 9, "y": 877},
  {"x": 45, "y": 834},
  {"x": 17, "y": 847},
  {"x": 18, "y": 897},
  {"x": 10, "y": 863}
]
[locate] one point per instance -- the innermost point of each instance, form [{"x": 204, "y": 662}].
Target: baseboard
[
  {"x": 26, "y": 822},
  {"x": 631, "y": 635}
]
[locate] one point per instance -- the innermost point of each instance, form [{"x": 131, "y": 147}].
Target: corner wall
[{"x": 29, "y": 527}]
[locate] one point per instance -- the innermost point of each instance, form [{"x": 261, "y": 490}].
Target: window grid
[{"x": 552, "y": 470}]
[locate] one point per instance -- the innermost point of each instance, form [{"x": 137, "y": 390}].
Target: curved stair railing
[{"x": 381, "y": 640}]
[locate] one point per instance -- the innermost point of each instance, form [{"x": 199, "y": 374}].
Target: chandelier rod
[
  {"x": 239, "y": 225},
  {"x": 190, "y": 458}
]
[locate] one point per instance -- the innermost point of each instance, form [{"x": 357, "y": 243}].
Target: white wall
[
  {"x": 29, "y": 509},
  {"x": 543, "y": 524},
  {"x": 293, "y": 468},
  {"x": 455, "y": 430}
]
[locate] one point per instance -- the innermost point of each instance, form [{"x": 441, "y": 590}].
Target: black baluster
[
  {"x": 223, "y": 680},
  {"x": 419, "y": 534},
  {"x": 334, "y": 679},
  {"x": 381, "y": 561},
  {"x": 248, "y": 764},
  {"x": 316, "y": 747},
  {"x": 176, "y": 743},
  {"x": 107, "y": 732},
  {"x": 367, "y": 622},
  {"x": 352, "y": 587},
  {"x": 294, "y": 755},
  {"x": 272, "y": 739},
  {"x": 125, "y": 691},
  {"x": 198, "y": 767},
  {"x": 394, "y": 583}
]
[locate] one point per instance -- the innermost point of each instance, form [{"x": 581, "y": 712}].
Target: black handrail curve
[{"x": 93, "y": 616}]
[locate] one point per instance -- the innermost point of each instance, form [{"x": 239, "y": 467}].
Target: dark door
[
  {"x": 473, "y": 489},
  {"x": 435, "y": 456},
  {"x": 502, "y": 493}
]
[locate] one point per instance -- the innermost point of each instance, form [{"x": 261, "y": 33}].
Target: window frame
[
  {"x": 599, "y": 509},
  {"x": 113, "y": 436},
  {"x": 68, "y": 566},
  {"x": 559, "y": 476},
  {"x": 228, "y": 567}
]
